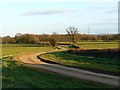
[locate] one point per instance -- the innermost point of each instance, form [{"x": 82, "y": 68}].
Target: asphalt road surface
[{"x": 32, "y": 61}]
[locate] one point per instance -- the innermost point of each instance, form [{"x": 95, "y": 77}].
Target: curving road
[{"x": 32, "y": 61}]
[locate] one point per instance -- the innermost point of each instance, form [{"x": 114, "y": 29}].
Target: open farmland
[
  {"x": 66, "y": 44},
  {"x": 103, "y": 60},
  {"x": 93, "y": 45},
  {"x": 98, "y": 45},
  {"x": 17, "y": 49},
  {"x": 16, "y": 75}
]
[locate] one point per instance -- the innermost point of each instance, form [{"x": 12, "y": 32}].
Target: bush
[{"x": 53, "y": 42}]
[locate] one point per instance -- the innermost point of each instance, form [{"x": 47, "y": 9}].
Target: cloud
[
  {"x": 96, "y": 8},
  {"x": 46, "y": 12},
  {"x": 105, "y": 9},
  {"x": 112, "y": 19},
  {"x": 59, "y": 24},
  {"x": 105, "y": 23},
  {"x": 109, "y": 12},
  {"x": 112, "y": 11}
]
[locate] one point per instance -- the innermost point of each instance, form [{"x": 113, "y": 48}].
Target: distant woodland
[{"x": 36, "y": 39}]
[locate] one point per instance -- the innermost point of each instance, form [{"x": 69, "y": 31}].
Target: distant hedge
[
  {"x": 108, "y": 53},
  {"x": 26, "y": 45}
]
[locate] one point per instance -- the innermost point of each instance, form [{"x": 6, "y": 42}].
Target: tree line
[{"x": 36, "y": 39}]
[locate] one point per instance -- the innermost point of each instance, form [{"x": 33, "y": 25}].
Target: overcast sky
[{"x": 38, "y": 17}]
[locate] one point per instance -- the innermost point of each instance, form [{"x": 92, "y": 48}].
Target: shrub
[{"x": 53, "y": 42}]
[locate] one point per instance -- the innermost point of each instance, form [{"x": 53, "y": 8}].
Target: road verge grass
[
  {"x": 15, "y": 75},
  {"x": 96, "y": 64}
]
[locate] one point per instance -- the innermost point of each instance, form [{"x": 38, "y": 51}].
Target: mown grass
[
  {"x": 94, "y": 45},
  {"x": 87, "y": 62},
  {"x": 17, "y": 50},
  {"x": 15, "y": 75},
  {"x": 98, "y": 45}
]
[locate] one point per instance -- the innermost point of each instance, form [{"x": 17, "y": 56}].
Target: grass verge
[
  {"x": 102, "y": 65},
  {"x": 15, "y": 75}
]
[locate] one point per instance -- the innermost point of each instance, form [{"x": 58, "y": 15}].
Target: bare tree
[{"x": 72, "y": 32}]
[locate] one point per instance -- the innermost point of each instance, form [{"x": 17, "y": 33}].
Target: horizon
[
  {"x": 48, "y": 17},
  {"x": 60, "y": 34}
]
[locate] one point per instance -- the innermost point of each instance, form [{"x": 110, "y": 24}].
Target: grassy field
[
  {"x": 18, "y": 50},
  {"x": 16, "y": 75},
  {"x": 19, "y": 76},
  {"x": 94, "y": 45},
  {"x": 85, "y": 62},
  {"x": 98, "y": 45}
]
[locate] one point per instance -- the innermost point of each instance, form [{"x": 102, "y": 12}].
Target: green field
[
  {"x": 18, "y": 50},
  {"x": 94, "y": 45},
  {"x": 16, "y": 75},
  {"x": 19, "y": 76},
  {"x": 102, "y": 64},
  {"x": 98, "y": 45}
]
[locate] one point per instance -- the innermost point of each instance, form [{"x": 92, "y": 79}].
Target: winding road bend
[{"x": 32, "y": 61}]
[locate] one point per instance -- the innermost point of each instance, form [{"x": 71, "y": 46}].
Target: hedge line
[{"x": 108, "y": 53}]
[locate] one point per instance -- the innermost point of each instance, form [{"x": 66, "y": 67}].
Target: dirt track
[{"x": 32, "y": 61}]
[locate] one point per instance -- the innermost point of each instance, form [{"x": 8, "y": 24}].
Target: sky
[{"x": 45, "y": 17}]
